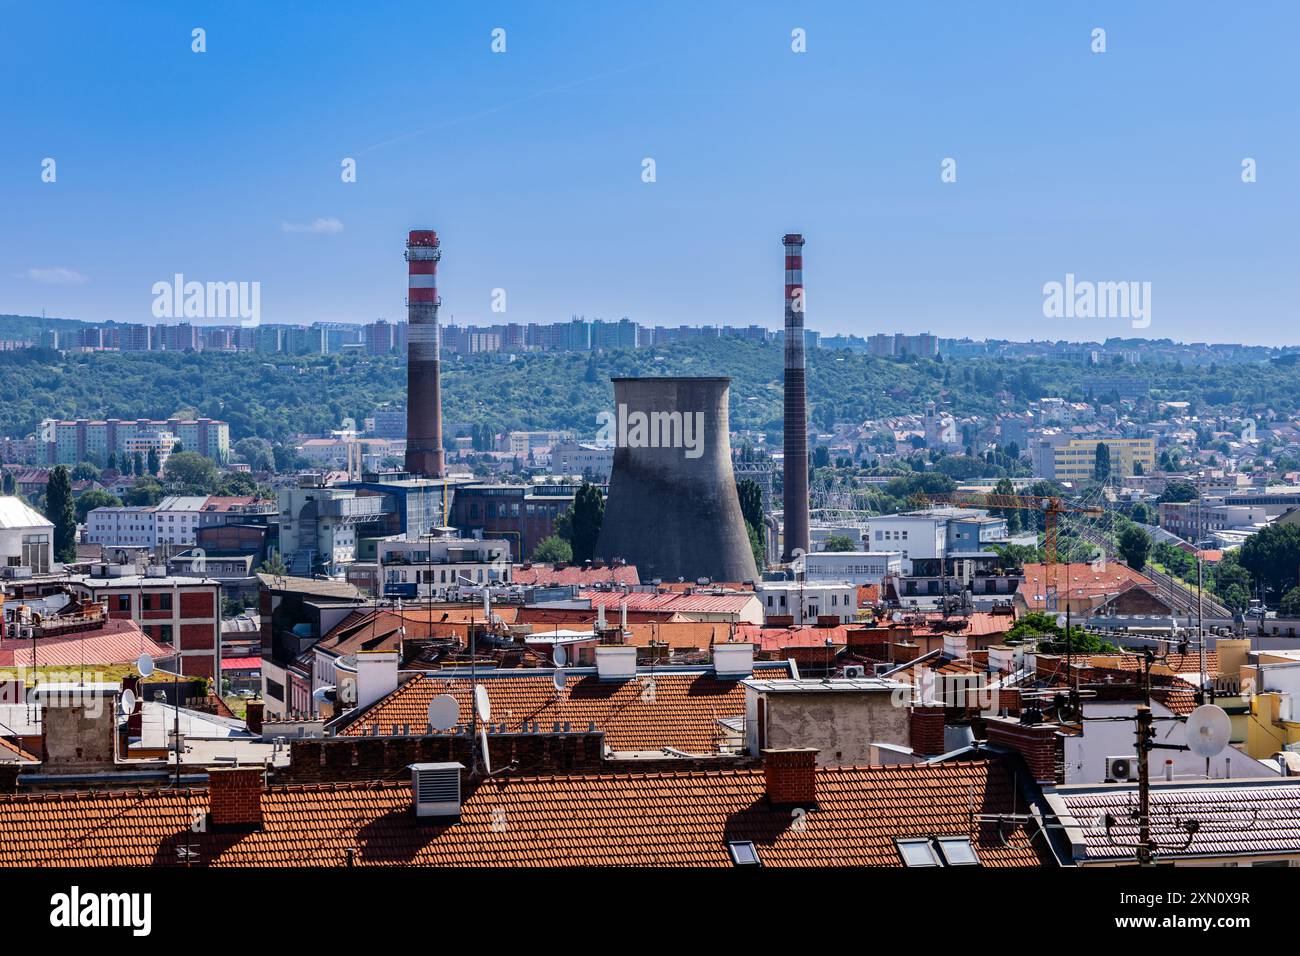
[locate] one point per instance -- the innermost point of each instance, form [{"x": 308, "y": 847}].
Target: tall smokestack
[
  {"x": 424, "y": 454},
  {"x": 796, "y": 403}
]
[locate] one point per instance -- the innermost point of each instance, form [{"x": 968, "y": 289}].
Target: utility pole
[{"x": 1145, "y": 848}]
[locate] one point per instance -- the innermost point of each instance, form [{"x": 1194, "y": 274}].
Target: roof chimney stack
[
  {"x": 791, "y": 776},
  {"x": 235, "y": 797}
]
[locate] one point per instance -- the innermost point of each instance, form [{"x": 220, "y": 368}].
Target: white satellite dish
[
  {"x": 128, "y": 702},
  {"x": 896, "y": 617},
  {"x": 481, "y": 704},
  {"x": 144, "y": 664},
  {"x": 1209, "y": 730},
  {"x": 482, "y": 739},
  {"x": 1060, "y": 620},
  {"x": 559, "y": 679},
  {"x": 559, "y": 657},
  {"x": 443, "y": 712}
]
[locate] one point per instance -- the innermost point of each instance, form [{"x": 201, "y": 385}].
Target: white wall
[{"x": 1085, "y": 756}]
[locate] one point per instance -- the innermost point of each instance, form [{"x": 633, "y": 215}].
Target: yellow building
[{"x": 1076, "y": 460}]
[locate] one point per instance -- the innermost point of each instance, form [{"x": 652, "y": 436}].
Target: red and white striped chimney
[
  {"x": 424, "y": 454},
  {"x": 796, "y": 403}
]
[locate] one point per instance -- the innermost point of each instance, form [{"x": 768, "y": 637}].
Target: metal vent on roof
[{"x": 435, "y": 789}]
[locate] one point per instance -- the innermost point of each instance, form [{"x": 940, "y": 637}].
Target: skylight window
[
  {"x": 919, "y": 852},
  {"x": 957, "y": 851},
  {"x": 744, "y": 853}
]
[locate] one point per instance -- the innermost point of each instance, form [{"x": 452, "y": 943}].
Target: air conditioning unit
[
  {"x": 879, "y": 669},
  {"x": 435, "y": 789},
  {"x": 854, "y": 670},
  {"x": 1121, "y": 768}
]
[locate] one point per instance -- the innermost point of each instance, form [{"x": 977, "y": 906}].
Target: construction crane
[{"x": 1051, "y": 507}]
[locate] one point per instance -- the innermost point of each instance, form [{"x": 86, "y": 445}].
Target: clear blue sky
[{"x": 1116, "y": 166}]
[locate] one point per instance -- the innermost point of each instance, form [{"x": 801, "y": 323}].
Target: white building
[
  {"x": 853, "y": 567},
  {"x": 122, "y": 527},
  {"x": 916, "y": 535},
  {"x": 431, "y": 568},
  {"x": 582, "y": 458},
  {"x": 807, "y": 602},
  {"x": 26, "y": 536},
  {"x": 175, "y": 519}
]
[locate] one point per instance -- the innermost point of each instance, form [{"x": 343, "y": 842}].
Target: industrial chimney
[
  {"x": 424, "y": 454},
  {"x": 673, "y": 510},
  {"x": 796, "y": 403}
]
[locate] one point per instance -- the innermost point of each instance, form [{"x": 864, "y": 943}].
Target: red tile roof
[
  {"x": 626, "y": 819},
  {"x": 798, "y": 635},
  {"x": 117, "y": 641},
  {"x": 546, "y": 575},
  {"x": 1080, "y": 580},
  {"x": 1189, "y": 663},
  {"x": 680, "y": 603},
  {"x": 678, "y": 710}
]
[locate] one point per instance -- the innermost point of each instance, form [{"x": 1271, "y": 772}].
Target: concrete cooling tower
[{"x": 673, "y": 510}]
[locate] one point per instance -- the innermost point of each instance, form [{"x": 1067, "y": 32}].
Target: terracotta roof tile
[
  {"x": 545, "y": 575},
  {"x": 117, "y": 641},
  {"x": 645, "y": 713},
  {"x": 656, "y": 819}
]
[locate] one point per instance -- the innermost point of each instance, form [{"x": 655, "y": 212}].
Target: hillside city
[{"x": 693, "y": 457}]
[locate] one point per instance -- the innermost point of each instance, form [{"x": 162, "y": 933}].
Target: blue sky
[{"x": 1120, "y": 166}]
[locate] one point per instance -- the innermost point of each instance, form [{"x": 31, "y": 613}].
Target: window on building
[
  {"x": 36, "y": 552},
  {"x": 918, "y": 852},
  {"x": 124, "y": 602}
]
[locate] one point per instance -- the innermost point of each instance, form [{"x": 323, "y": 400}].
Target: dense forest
[{"x": 272, "y": 397}]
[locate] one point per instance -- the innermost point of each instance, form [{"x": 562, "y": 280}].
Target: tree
[
  {"x": 1005, "y": 487},
  {"x": 1290, "y": 604},
  {"x": 839, "y": 542},
  {"x": 146, "y": 491},
  {"x": 821, "y": 457},
  {"x": 95, "y": 498},
  {"x": 256, "y": 453},
  {"x": 273, "y": 565},
  {"x": 751, "y": 507},
  {"x": 1272, "y": 556},
  {"x": 137, "y": 465},
  {"x": 59, "y": 509},
  {"x": 553, "y": 550},
  {"x": 1134, "y": 545},
  {"x": 236, "y": 484},
  {"x": 10, "y": 483},
  {"x": 751, "y": 501},
  {"x": 152, "y": 464},
  {"x": 1101, "y": 462},
  {"x": 1179, "y": 492},
  {"x": 85, "y": 471},
  {"x": 195, "y": 473},
  {"x": 112, "y": 461},
  {"x": 588, "y": 513}
]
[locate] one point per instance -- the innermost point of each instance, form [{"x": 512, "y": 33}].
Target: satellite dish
[
  {"x": 481, "y": 704},
  {"x": 443, "y": 712},
  {"x": 560, "y": 657},
  {"x": 896, "y": 617},
  {"x": 1060, "y": 620},
  {"x": 559, "y": 679},
  {"x": 144, "y": 664},
  {"x": 128, "y": 702},
  {"x": 482, "y": 739},
  {"x": 1208, "y": 730}
]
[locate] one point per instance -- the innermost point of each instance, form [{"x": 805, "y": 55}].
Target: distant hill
[{"x": 275, "y": 397}]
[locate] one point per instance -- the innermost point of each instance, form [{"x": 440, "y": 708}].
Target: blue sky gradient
[{"x": 1116, "y": 166}]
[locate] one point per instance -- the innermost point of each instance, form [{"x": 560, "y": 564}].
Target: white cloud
[
  {"x": 57, "y": 276},
  {"x": 320, "y": 227}
]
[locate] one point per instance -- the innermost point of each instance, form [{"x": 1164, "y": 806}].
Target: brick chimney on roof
[
  {"x": 253, "y": 715},
  {"x": 235, "y": 797},
  {"x": 791, "y": 776},
  {"x": 926, "y": 727}
]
